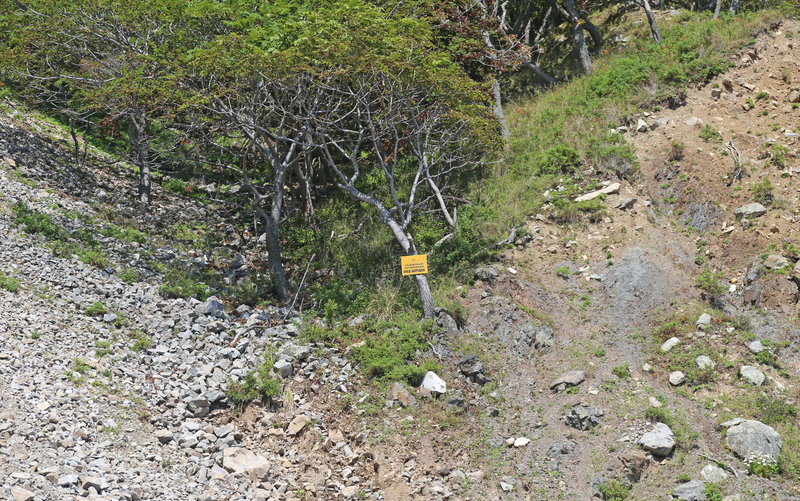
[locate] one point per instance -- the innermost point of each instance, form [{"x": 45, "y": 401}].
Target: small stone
[
  {"x": 752, "y": 375},
  {"x": 568, "y": 379},
  {"x": 433, "y": 383},
  {"x": 794, "y": 97},
  {"x": 164, "y": 436},
  {"x": 583, "y": 417},
  {"x": 239, "y": 460},
  {"x": 521, "y": 442},
  {"x": 297, "y": 425},
  {"x": 677, "y": 378},
  {"x": 694, "y": 122},
  {"x": 756, "y": 346},
  {"x": 690, "y": 491},
  {"x": 776, "y": 262},
  {"x": 754, "y": 209},
  {"x": 641, "y": 126},
  {"x": 507, "y": 484},
  {"x": 713, "y": 473},
  {"x": 660, "y": 441},
  {"x": 68, "y": 480},
  {"x": 654, "y": 402},
  {"x": 486, "y": 274},
  {"x": 21, "y": 494},
  {"x": 669, "y": 344},
  {"x": 399, "y": 393},
  {"x": 283, "y": 368},
  {"x": 704, "y": 321},
  {"x": 704, "y": 363}
]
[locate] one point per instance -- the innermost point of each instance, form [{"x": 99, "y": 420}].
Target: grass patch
[
  {"x": 385, "y": 352},
  {"x": 258, "y": 384},
  {"x": 139, "y": 340},
  {"x": 8, "y": 283},
  {"x": 95, "y": 309}
]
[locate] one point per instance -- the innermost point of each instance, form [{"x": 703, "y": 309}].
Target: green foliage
[
  {"x": 622, "y": 371},
  {"x": 128, "y": 275},
  {"x": 713, "y": 492},
  {"x": 124, "y": 234},
  {"x": 614, "y": 490},
  {"x": 8, "y": 283},
  {"x": 179, "y": 282},
  {"x": 139, "y": 340},
  {"x": 39, "y": 223},
  {"x": 558, "y": 159},
  {"x": 711, "y": 283},
  {"x": 710, "y": 135},
  {"x": 258, "y": 384},
  {"x": 762, "y": 191},
  {"x": 387, "y": 351},
  {"x": 95, "y": 309},
  {"x": 777, "y": 155},
  {"x": 763, "y": 467}
]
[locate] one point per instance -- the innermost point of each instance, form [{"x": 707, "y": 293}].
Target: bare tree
[
  {"x": 261, "y": 114},
  {"x": 377, "y": 125},
  {"x": 651, "y": 20}
]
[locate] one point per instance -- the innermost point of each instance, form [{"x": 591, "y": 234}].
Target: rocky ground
[{"x": 590, "y": 360}]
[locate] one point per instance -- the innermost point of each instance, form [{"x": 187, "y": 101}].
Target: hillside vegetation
[{"x": 204, "y": 207}]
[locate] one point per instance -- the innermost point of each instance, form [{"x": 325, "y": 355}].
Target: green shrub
[
  {"x": 8, "y": 283},
  {"x": 124, "y": 234},
  {"x": 95, "y": 309},
  {"x": 710, "y": 135},
  {"x": 128, "y": 275},
  {"x": 622, "y": 371},
  {"x": 713, "y": 492},
  {"x": 558, "y": 159},
  {"x": 762, "y": 191},
  {"x": 614, "y": 490},
  {"x": 39, "y": 223},
  {"x": 712, "y": 284},
  {"x": 181, "y": 283},
  {"x": 258, "y": 384}
]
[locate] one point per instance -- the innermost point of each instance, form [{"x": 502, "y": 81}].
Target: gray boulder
[
  {"x": 690, "y": 491},
  {"x": 752, "y": 375},
  {"x": 583, "y": 417},
  {"x": 713, "y": 473},
  {"x": 748, "y": 439},
  {"x": 660, "y": 441},
  {"x": 568, "y": 379},
  {"x": 754, "y": 209},
  {"x": 486, "y": 274},
  {"x": 433, "y": 383}
]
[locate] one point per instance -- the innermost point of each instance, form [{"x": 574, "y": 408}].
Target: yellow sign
[{"x": 414, "y": 265}]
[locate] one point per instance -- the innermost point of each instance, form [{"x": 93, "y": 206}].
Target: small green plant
[
  {"x": 36, "y": 335},
  {"x": 614, "y": 490},
  {"x": 763, "y": 466},
  {"x": 563, "y": 272},
  {"x": 711, "y": 283},
  {"x": 762, "y": 191},
  {"x": 95, "y": 309},
  {"x": 750, "y": 104},
  {"x": 141, "y": 341},
  {"x": 622, "y": 371},
  {"x": 710, "y": 135},
  {"x": 128, "y": 275},
  {"x": 258, "y": 384},
  {"x": 762, "y": 95},
  {"x": 777, "y": 155},
  {"x": 8, "y": 283},
  {"x": 677, "y": 151},
  {"x": 102, "y": 348},
  {"x": 713, "y": 492},
  {"x": 684, "y": 477},
  {"x": 80, "y": 366}
]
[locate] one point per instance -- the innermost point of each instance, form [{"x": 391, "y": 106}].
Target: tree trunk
[
  {"x": 425, "y": 294},
  {"x": 539, "y": 72},
  {"x": 498, "y": 108},
  {"x": 580, "y": 39},
  {"x": 717, "y": 8},
  {"x": 651, "y": 19},
  {"x": 272, "y": 238},
  {"x": 137, "y": 135},
  {"x": 734, "y": 6}
]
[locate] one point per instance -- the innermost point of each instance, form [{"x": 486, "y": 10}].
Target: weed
[
  {"x": 762, "y": 95},
  {"x": 128, "y": 275},
  {"x": 95, "y": 309},
  {"x": 80, "y": 366},
  {"x": 124, "y": 234},
  {"x": 762, "y": 191},
  {"x": 622, "y": 371},
  {"x": 8, "y": 283},
  {"x": 563, "y": 272},
  {"x": 711, "y": 283},
  {"x": 710, "y": 135},
  {"x": 614, "y": 490},
  {"x": 258, "y": 384},
  {"x": 713, "y": 492},
  {"x": 141, "y": 341}
]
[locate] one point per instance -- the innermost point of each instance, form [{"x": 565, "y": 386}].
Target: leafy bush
[
  {"x": 181, "y": 283},
  {"x": 558, "y": 159},
  {"x": 713, "y": 492},
  {"x": 124, "y": 234},
  {"x": 762, "y": 191},
  {"x": 258, "y": 384},
  {"x": 622, "y": 371},
  {"x": 614, "y": 490},
  {"x": 8, "y": 283},
  {"x": 39, "y": 223},
  {"x": 710, "y": 135},
  {"x": 95, "y": 309},
  {"x": 711, "y": 283}
]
